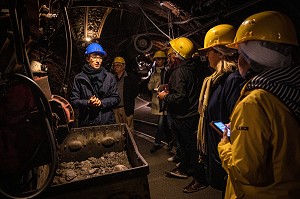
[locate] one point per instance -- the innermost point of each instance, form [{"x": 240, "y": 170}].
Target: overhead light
[{"x": 88, "y": 39}]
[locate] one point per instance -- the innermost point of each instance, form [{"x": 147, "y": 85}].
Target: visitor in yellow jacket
[{"x": 262, "y": 156}]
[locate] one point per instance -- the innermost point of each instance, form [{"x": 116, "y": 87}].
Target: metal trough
[{"x": 83, "y": 143}]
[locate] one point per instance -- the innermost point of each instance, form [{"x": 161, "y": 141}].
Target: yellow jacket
[{"x": 263, "y": 156}]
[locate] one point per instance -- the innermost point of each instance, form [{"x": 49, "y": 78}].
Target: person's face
[
  {"x": 213, "y": 57},
  {"x": 95, "y": 60},
  {"x": 118, "y": 67},
  {"x": 159, "y": 61},
  {"x": 171, "y": 57},
  {"x": 243, "y": 66}
]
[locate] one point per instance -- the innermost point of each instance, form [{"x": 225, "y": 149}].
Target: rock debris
[{"x": 92, "y": 167}]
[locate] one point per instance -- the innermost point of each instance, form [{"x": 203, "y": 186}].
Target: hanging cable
[
  {"x": 20, "y": 48},
  {"x": 213, "y": 22},
  {"x": 152, "y": 21},
  {"x": 64, "y": 89},
  {"x": 194, "y": 18},
  {"x": 170, "y": 25}
]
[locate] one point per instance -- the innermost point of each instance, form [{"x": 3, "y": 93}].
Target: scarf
[
  {"x": 284, "y": 83},
  {"x": 95, "y": 76},
  {"x": 205, "y": 94}
]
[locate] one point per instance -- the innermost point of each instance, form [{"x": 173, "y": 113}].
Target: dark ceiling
[{"x": 56, "y": 31}]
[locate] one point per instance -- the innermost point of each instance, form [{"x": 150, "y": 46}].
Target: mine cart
[{"x": 102, "y": 162}]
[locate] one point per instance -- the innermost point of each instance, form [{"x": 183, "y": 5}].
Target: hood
[{"x": 284, "y": 83}]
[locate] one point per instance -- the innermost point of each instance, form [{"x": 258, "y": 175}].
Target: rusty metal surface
[{"x": 82, "y": 143}]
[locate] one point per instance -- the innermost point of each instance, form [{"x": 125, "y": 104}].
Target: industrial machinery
[
  {"x": 125, "y": 176},
  {"x": 38, "y": 129},
  {"x": 37, "y": 132}
]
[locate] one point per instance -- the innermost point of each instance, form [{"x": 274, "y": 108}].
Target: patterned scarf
[{"x": 283, "y": 83}]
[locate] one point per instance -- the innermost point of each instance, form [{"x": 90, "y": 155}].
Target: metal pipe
[
  {"x": 211, "y": 23},
  {"x": 64, "y": 89},
  {"x": 16, "y": 21}
]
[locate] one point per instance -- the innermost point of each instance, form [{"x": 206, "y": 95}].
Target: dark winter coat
[
  {"x": 108, "y": 94},
  {"x": 130, "y": 92},
  {"x": 184, "y": 86},
  {"x": 225, "y": 93}
]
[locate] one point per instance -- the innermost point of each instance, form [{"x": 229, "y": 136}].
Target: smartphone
[
  {"x": 219, "y": 126},
  {"x": 162, "y": 87}
]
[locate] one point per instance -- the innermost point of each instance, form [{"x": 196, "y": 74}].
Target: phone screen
[{"x": 221, "y": 126}]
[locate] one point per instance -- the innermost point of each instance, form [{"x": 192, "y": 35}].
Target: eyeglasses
[{"x": 95, "y": 57}]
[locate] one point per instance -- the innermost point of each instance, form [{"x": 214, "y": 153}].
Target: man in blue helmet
[{"x": 94, "y": 91}]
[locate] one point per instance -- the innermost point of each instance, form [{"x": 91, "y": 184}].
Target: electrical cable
[
  {"x": 152, "y": 21},
  {"x": 170, "y": 25},
  {"x": 64, "y": 89},
  {"x": 213, "y": 22},
  {"x": 21, "y": 56}
]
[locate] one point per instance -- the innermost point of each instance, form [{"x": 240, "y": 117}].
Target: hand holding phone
[
  {"x": 220, "y": 127},
  {"x": 162, "y": 87}
]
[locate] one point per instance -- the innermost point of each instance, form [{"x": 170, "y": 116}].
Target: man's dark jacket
[
  {"x": 108, "y": 94},
  {"x": 130, "y": 92},
  {"x": 184, "y": 88}
]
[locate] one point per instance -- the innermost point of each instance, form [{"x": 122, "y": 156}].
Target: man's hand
[
  {"x": 161, "y": 95},
  {"x": 94, "y": 101}
]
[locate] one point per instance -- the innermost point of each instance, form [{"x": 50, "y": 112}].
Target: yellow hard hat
[
  {"x": 269, "y": 26},
  {"x": 222, "y": 34},
  {"x": 119, "y": 60},
  {"x": 183, "y": 46},
  {"x": 159, "y": 54}
]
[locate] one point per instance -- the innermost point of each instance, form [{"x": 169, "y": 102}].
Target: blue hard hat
[{"x": 95, "y": 48}]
